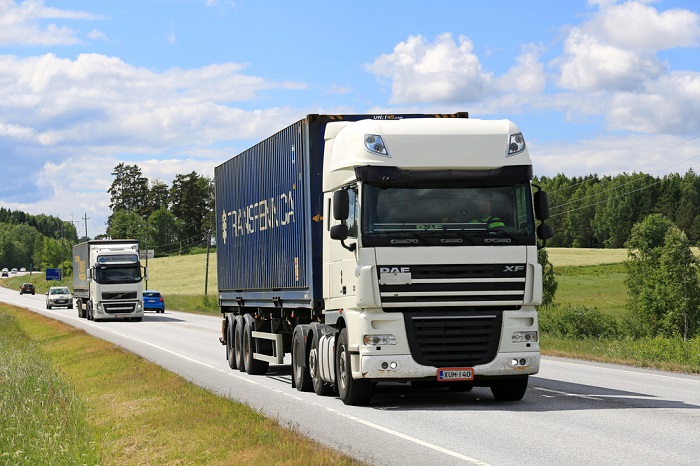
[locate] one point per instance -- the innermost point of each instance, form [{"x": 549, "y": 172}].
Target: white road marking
[{"x": 347, "y": 416}]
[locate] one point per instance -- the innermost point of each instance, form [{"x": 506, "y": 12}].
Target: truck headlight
[
  {"x": 375, "y": 144},
  {"x": 524, "y": 337},
  {"x": 516, "y": 144},
  {"x": 379, "y": 340}
]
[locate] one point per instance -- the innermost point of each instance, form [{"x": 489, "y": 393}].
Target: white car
[{"x": 59, "y": 296}]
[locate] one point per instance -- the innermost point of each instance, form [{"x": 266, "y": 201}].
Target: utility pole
[
  {"x": 206, "y": 267},
  {"x": 86, "y": 218}
]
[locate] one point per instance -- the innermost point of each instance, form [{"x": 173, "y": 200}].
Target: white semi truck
[
  {"x": 107, "y": 277},
  {"x": 383, "y": 248}
]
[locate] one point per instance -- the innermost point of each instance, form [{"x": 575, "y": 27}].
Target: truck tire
[
  {"x": 321, "y": 388},
  {"x": 510, "y": 389},
  {"x": 352, "y": 392},
  {"x": 300, "y": 367},
  {"x": 89, "y": 311},
  {"x": 48, "y": 306},
  {"x": 252, "y": 366},
  {"x": 238, "y": 343},
  {"x": 230, "y": 349}
]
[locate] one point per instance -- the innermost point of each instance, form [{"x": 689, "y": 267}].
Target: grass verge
[
  {"x": 657, "y": 353},
  {"x": 112, "y": 407}
]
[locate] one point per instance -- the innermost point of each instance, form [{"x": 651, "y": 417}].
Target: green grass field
[{"x": 67, "y": 398}]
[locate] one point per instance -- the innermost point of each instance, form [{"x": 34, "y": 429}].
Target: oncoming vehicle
[
  {"x": 26, "y": 288},
  {"x": 153, "y": 301},
  {"x": 59, "y": 296}
]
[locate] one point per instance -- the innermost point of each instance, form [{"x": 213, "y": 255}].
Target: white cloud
[
  {"x": 438, "y": 72},
  {"x": 102, "y": 101},
  {"x": 616, "y": 48},
  {"x": 652, "y": 154},
  {"x": 589, "y": 64},
  {"x": 668, "y": 105},
  {"x": 527, "y": 76},
  {"x": 25, "y": 24}
]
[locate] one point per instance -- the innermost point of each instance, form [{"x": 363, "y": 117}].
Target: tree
[
  {"x": 549, "y": 282},
  {"x": 126, "y": 225},
  {"x": 158, "y": 197},
  {"x": 678, "y": 270},
  {"x": 191, "y": 197},
  {"x": 162, "y": 230},
  {"x": 128, "y": 191},
  {"x": 662, "y": 278}
]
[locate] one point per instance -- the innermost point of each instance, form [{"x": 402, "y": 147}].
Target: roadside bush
[{"x": 578, "y": 322}]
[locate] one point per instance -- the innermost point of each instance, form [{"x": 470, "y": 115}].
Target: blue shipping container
[{"x": 269, "y": 205}]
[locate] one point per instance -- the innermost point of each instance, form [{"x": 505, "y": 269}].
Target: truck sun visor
[{"x": 393, "y": 176}]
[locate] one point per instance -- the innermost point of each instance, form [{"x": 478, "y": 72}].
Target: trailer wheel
[
  {"x": 510, "y": 389},
  {"x": 321, "y": 388},
  {"x": 238, "y": 343},
  {"x": 352, "y": 392},
  {"x": 300, "y": 367},
  {"x": 230, "y": 348},
  {"x": 252, "y": 366}
]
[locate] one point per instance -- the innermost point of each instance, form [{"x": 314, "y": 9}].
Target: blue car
[{"x": 153, "y": 301}]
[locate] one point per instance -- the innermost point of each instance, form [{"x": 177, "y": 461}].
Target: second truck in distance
[
  {"x": 107, "y": 280},
  {"x": 383, "y": 248}
]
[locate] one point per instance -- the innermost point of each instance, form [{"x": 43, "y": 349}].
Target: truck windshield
[
  {"x": 437, "y": 212},
  {"x": 117, "y": 274}
]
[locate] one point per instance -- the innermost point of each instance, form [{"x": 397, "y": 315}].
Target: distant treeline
[
  {"x": 593, "y": 211},
  {"x": 34, "y": 241},
  {"x": 47, "y": 225}
]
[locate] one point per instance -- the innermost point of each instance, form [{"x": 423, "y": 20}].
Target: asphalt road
[{"x": 574, "y": 412}]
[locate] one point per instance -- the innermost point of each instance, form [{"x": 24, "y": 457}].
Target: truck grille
[
  {"x": 457, "y": 285},
  {"x": 454, "y": 340},
  {"x": 117, "y": 295}
]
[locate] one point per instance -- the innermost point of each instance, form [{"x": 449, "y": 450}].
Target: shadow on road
[{"x": 542, "y": 396}]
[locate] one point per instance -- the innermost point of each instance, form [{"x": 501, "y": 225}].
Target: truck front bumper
[{"x": 399, "y": 367}]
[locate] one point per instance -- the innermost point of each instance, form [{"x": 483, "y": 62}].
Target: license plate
[{"x": 452, "y": 374}]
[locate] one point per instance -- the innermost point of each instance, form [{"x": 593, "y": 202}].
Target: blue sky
[{"x": 598, "y": 86}]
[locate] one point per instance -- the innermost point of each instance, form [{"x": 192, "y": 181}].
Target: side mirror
[
  {"x": 545, "y": 231},
  {"x": 541, "y": 205},
  {"x": 341, "y": 205},
  {"x": 340, "y": 232},
  {"x": 145, "y": 273}
]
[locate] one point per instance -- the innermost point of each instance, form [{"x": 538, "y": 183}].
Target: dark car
[
  {"x": 153, "y": 301},
  {"x": 27, "y": 288}
]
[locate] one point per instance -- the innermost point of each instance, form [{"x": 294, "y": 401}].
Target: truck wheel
[
  {"x": 230, "y": 349},
  {"x": 89, "y": 311},
  {"x": 300, "y": 367},
  {"x": 321, "y": 388},
  {"x": 510, "y": 389},
  {"x": 48, "y": 306},
  {"x": 252, "y": 366},
  {"x": 238, "y": 342},
  {"x": 352, "y": 392}
]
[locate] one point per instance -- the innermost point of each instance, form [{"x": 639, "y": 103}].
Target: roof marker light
[{"x": 374, "y": 143}]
